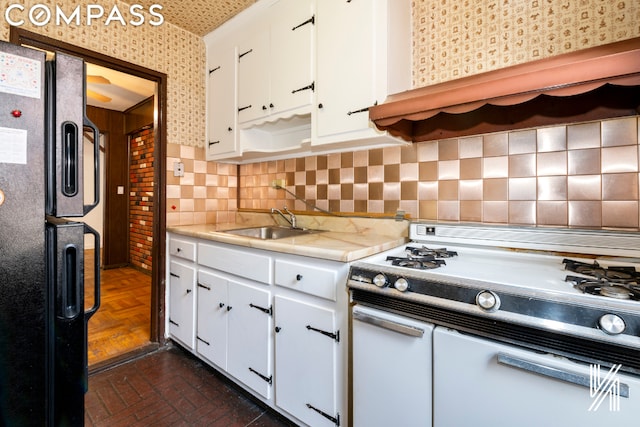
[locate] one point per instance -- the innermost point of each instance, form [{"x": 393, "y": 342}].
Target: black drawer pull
[
  {"x": 243, "y": 108},
  {"x": 214, "y": 69},
  {"x": 221, "y": 305},
  {"x": 172, "y": 322},
  {"x": 200, "y": 339},
  {"x": 298, "y": 277},
  {"x": 213, "y": 143},
  {"x": 229, "y": 308},
  {"x": 174, "y": 275},
  {"x": 200, "y": 285}
]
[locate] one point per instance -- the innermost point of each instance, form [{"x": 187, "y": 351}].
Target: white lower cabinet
[
  {"x": 182, "y": 302},
  {"x": 234, "y": 329},
  {"x": 307, "y": 342},
  {"x": 274, "y": 323},
  {"x": 211, "y": 337},
  {"x": 250, "y": 338}
]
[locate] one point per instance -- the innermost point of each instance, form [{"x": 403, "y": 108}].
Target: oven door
[
  {"x": 391, "y": 383},
  {"x": 481, "y": 382}
]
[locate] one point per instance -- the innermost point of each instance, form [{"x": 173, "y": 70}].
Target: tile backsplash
[{"x": 578, "y": 175}]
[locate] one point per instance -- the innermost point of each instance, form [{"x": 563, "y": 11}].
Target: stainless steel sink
[{"x": 271, "y": 232}]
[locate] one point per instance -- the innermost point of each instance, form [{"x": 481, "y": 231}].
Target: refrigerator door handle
[
  {"x": 96, "y": 265},
  {"x": 96, "y": 165}
]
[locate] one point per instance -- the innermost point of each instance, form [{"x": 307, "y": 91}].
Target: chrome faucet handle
[{"x": 293, "y": 220}]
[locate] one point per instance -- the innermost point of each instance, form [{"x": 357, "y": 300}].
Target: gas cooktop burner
[
  {"x": 611, "y": 274},
  {"x": 605, "y": 288},
  {"x": 421, "y": 257},
  {"x": 423, "y": 251},
  {"x": 417, "y": 262}
]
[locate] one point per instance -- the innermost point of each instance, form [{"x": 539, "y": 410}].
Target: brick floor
[{"x": 171, "y": 388}]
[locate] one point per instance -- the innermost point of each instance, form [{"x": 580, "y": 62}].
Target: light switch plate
[{"x": 178, "y": 169}]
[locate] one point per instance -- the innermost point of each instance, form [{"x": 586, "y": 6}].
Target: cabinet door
[
  {"x": 211, "y": 336},
  {"x": 345, "y": 71},
  {"x": 182, "y": 302},
  {"x": 250, "y": 339},
  {"x": 253, "y": 77},
  {"x": 306, "y": 360},
  {"x": 221, "y": 99},
  {"x": 292, "y": 51}
]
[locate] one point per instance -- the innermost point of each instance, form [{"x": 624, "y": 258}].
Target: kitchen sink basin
[{"x": 271, "y": 232}]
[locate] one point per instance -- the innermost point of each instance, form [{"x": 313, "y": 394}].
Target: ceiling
[
  {"x": 114, "y": 90},
  {"x": 199, "y": 16}
]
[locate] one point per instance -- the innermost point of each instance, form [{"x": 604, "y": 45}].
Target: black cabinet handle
[
  {"x": 200, "y": 339},
  {"x": 361, "y": 110},
  {"x": 264, "y": 107},
  {"x": 265, "y": 310},
  {"x": 311, "y": 87},
  {"x": 229, "y": 129},
  {"x": 188, "y": 292},
  {"x": 311, "y": 20},
  {"x": 264, "y": 377},
  {"x": 244, "y": 53},
  {"x": 221, "y": 304},
  {"x": 178, "y": 250},
  {"x": 229, "y": 308},
  {"x": 172, "y": 322},
  {"x": 278, "y": 329},
  {"x": 243, "y": 108},
  {"x": 336, "y": 419},
  {"x": 298, "y": 277},
  {"x": 332, "y": 335},
  {"x": 321, "y": 105},
  {"x": 174, "y": 275},
  {"x": 213, "y": 143},
  {"x": 200, "y": 285},
  {"x": 214, "y": 69}
]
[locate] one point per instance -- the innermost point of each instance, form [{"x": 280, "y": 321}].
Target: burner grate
[{"x": 613, "y": 282}]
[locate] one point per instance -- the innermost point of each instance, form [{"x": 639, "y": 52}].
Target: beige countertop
[{"x": 342, "y": 239}]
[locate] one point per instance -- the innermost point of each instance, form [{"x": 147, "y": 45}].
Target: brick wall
[{"x": 141, "y": 199}]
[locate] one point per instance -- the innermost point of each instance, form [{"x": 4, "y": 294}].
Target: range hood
[{"x": 590, "y": 84}]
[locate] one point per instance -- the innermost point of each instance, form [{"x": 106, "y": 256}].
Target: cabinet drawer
[
  {"x": 183, "y": 249},
  {"x": 238, "y": 262},
  {"x": 309, "y": 279}
]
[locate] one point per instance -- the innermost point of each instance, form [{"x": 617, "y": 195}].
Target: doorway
[{"x": 156, "y": 306}]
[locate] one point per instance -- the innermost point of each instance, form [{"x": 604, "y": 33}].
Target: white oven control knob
[
  {"x": 488, "y": 300},
  {"x": 380, "y": 280},
  {"x": 401, "y": 284},
  {"x": 612, "y": 324}
]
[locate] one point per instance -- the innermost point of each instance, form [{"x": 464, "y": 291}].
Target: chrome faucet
[{"x": 292, "y": 218}]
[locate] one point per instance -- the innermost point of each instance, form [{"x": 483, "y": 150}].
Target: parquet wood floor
[{"x": 121, "y": 324}]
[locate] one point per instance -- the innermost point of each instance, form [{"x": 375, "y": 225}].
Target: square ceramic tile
[
  {"x": 584, "y": 162},
  {"x": 470, "y": 147},
  {"x": 552, "y": 188},
  {"x": 552, "y": 163},
  {"x": 620, "y": 186},
  {"x": 522, "y": 188},
  {"x": 552, "y": 139},
  {"x": 620, "y": 214},
  {"x": 584, "y": 187},
  {"x": 495, "y": 167},
  {"x": 623, "y": 131},
  {"x": 585, "y": 214},
  {"x": 522, "y": 212},
  {"x": 522, "y": 142},
  {"x": 449, "y": 169},
  {"x": 620, "y": 159},
  {"x": 496, "y": 144}
]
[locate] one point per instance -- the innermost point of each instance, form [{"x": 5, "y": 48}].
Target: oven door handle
[
  {"x": 559, "y": 374},
  {"x": 388, "y": 324}
]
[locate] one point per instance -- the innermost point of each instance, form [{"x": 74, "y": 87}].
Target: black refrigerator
[{"x": 43, "y": 312}]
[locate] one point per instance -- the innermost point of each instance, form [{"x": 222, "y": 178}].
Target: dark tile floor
[{"x": 171, "y": 388}]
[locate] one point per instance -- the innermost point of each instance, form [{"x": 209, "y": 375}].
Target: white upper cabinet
[
  {"x": 363, "y": 55},
  {"x": 307, "y": 72},
  {"x": 275, "y": 77},
  {"x": 221, "y": 99}
]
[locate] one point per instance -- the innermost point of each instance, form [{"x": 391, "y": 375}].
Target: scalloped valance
[{"x": 590, "y": 84}]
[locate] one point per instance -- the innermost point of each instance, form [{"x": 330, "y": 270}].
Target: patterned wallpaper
[
  {"x": 166, "y": 48},
  {"x": 457, "y": 38}
]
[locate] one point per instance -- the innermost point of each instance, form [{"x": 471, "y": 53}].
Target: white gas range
[{"x": 507, "y": 290}]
